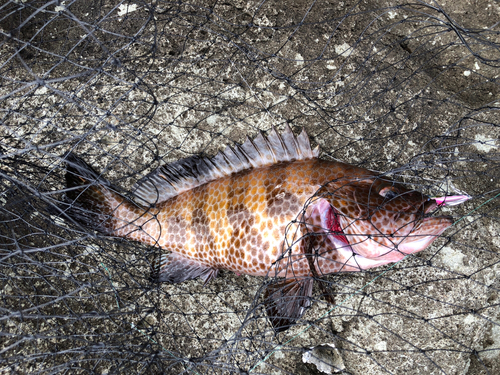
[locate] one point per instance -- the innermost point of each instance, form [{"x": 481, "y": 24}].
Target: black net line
[{"x": 410, "y": 90}]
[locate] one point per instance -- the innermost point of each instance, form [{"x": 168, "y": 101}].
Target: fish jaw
[
  {"x": 425, "y": 232},
  {"x": 412, "y": 238}
]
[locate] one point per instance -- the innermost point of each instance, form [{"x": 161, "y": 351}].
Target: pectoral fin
[{"x": 286, "y": 301}]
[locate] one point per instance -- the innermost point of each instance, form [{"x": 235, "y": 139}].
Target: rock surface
[{"x": 409, "y": 89}]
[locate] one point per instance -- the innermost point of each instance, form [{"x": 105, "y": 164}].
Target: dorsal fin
[{"x": 185, "y": 174}]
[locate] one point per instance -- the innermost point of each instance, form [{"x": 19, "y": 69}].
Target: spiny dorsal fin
[{"x": 185, "y": 174}]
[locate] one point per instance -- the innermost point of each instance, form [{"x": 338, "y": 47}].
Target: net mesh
[{"x": 410, "y": 89}]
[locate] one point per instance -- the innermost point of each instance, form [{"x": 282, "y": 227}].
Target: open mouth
[
  {"x": 429, "y": 207},
  {"x": 451, "y": 200}
]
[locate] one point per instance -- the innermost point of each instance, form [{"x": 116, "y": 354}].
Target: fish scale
[
  {"x": 231, "y": 223},
  {"x": 260, "y": 209}
]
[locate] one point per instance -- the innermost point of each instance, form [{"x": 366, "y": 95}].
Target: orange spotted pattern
[
  {"x": 254, "y": 221},
  {"x": 264, "y": 220},
  {"x": 236, "y": 223}
]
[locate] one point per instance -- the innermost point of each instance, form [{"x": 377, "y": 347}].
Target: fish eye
[{"x": 389, "y": 193}]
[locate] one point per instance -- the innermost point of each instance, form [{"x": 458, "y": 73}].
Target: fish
[{"x": 261, "y": 208}]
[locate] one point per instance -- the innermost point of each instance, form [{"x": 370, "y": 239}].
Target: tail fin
[{"x": 88, "y": 198}]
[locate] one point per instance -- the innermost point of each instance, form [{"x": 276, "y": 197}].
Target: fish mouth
[
  {"x": 430, "y": 206},
  {"x": 426, "y": 231},
  {"x": 448, "y": 200}
]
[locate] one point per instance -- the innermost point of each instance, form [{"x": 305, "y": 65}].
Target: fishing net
[{"x": 411, "y": 90}]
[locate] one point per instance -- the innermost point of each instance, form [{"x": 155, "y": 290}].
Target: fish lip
[
  {"x": 429, "y": 218},
  {"x": 425, "y": 240},
  {"x": 429, "y": 206},
  {"x": 445, "y": 217}
]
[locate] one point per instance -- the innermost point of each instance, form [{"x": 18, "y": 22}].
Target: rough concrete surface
[{"x": 409, "y": 89}]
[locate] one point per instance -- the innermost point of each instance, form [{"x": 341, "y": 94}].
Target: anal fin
[
  {"x": 286, "y": 301},
  {"x": 174, "y": 268}
]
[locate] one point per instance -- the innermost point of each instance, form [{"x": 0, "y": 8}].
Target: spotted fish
[{"x": 261, "y": 208}]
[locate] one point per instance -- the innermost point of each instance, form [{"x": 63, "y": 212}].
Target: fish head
[{"x": 381, "y": 220}]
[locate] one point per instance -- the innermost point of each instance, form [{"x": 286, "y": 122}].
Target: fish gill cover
[{"x": 410, "y": 90}]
